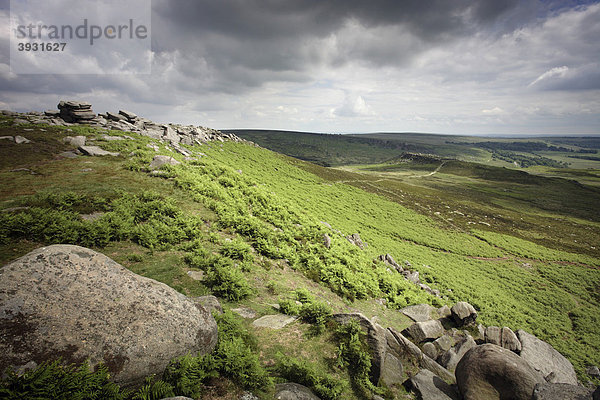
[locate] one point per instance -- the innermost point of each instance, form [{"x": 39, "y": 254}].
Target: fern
[{"x": 154, "y": 390}]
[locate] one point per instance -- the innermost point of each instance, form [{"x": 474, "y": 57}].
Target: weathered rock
[
  {"x": 430, "y": 387},
  {"x": 510, "y": 340},
  {"x": 490, "y": 372},
  {"x": 96, "y": 151},
  {"x": 115, "y": 117},
  {"x": 410, "y": 355},
  {"x": 392, "y": 371},
  {"x": 71, "y": 302},
  {"x": 209, "y": 302},
  {"x": 244, "y": 312},
  {"x": 421, "y": 331},
  {"x": 196, "y": 275},
  {"x": 412, "y": 276},
  {"x": 593, "y": 370},
  {"x": 561, "y": 391},
  {"x": 21, "y": 140},
  {"x": 419, "y": 312},
  {"x": 545, "y": 359},
  {"x": 453, "y": 356},
  {"x": 430, "y": 350},
  {"x": 76, "y": 141},
  {"x": 389, "y": 260},
  {"x": 356, "y": 240},
  {"x": 444, "y": 343},
  {"x": 159, "y": 161},
  {"x": 481, "y": 332},
  {"x": 326, "y": 240},
  {"x": 444, "y": 311},
  {"x": 293, "y": 391},
  {"x": 493, "y": 335},
  {"x": 463, "y": 313},
  {"x": 128, "y": 114},
  {"x": 275, "y": 321},
  {"x": 376, "y": 341}
]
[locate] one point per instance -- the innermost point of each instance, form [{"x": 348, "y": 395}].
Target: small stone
[
  {"x": 209, "y": 302},
  {"x": 274, "y": 321},
  {"x": 96, "y": 151},
  {"x": 21, "y": 140},
  {"x": 444, "y": 311},
  {"x": 593, "y": 370},
  {"x": 76, "y": 141},
  {"x": 510, "y": 340},
  {"x": 159, "y": 161},
  {"x": 430, "y": 350},
  {"x": 196, "y": 275},
  {"x": 244, "y": 312},
  {"x": 326, "y": 240}
]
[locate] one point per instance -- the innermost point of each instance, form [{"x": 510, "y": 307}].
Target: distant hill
[{"x": 375, "y": 148}]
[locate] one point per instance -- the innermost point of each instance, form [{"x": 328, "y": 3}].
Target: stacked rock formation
[{"x": 76, "y": 111}]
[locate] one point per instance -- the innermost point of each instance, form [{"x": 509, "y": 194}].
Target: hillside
[
  {"x": 548, "y": 156},
  {"x": 253, "y": 223}
]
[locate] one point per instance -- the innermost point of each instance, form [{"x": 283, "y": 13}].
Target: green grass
[{"x": 254, "y": 221}]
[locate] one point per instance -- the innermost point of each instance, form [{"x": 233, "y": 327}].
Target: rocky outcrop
[
  {"x": 490, "y": 372},
  {"x": 544, "y": 358},
  {"x": 79, "y": 112},
  {"x": 389, "y": 260},
  {"x": 76, "y": 111},
  {"x": 71, "y": 302}
]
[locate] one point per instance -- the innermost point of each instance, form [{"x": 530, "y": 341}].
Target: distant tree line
[
  {"x": 527, "y": 161},
  {"x": 526, "y": 147}
]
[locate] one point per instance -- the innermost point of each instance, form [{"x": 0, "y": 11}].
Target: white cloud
[
  {"x": 554, "y": 72},
  {"x": 353, "y": 106},
  {"x": 493, "y": 111}
]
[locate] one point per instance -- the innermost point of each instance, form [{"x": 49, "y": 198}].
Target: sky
[{"x": 504, "y": 67}]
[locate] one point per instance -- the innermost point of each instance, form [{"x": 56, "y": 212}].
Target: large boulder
[
  {"x": 490, "y": 372},
  {"x": 545, "y": 359},
  {"x": 71, "y": 302},
  {"x": 418, "y": 312}
]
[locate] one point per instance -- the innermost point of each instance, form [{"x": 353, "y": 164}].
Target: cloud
[
  {"x": 554, "y": 72},
  {"x": 350, "y": 65},
  {"x": 353, "y": 106}
]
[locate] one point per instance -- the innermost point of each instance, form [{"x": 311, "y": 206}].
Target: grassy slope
[{"x": 513, "y": 282}]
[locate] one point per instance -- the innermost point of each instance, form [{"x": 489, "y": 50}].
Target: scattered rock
[
  {"x": 561, "y": 391},
  {"x": 421, "y": 331},
  {"x": 68, "y": 154},
  {"x": 463, "y": 313},
  {"x": 593, "y": 370},
  {"x": 389, "y": 260},
  {"x": 326, "y": 240},
  {"x": 93, "y": 216},
  {"x": 196, "y": 275},
  {"x": 76, "y": 141},
  {"x": 110, "y": 138},
  {"x": 490, "y": 372},
  {"x": 209, "y": 302},
  {"x": 293, "y": 391},
  {"x": 444, "y": 343},
  {"x": 248, "y": 396},
  {"x": 412, "y": 276},
  {"x": 545, "y": 359},
  {"x": 96, "y": 151},
  {"x": 356, "y": 240},
  {"x": 159, "y": 161},
  {"x": 392, "y": 372},
  {"x": 274, "y": 321},
  {"x": 419, "y": 312},
  {"x": 11, "y": 138},
  {"x": 430, "y": 387},
  {"x": 75, "y": 303},
  {"x": 245, "y": 312},
  {"x": 21, "y": 140},
  {"x": 128, "y": 114}
]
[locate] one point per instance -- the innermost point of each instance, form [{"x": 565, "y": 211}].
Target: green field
[{"x": 523, "y": 249}]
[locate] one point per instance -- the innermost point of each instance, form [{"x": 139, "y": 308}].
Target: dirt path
[{"x": 429, "y": 173}]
